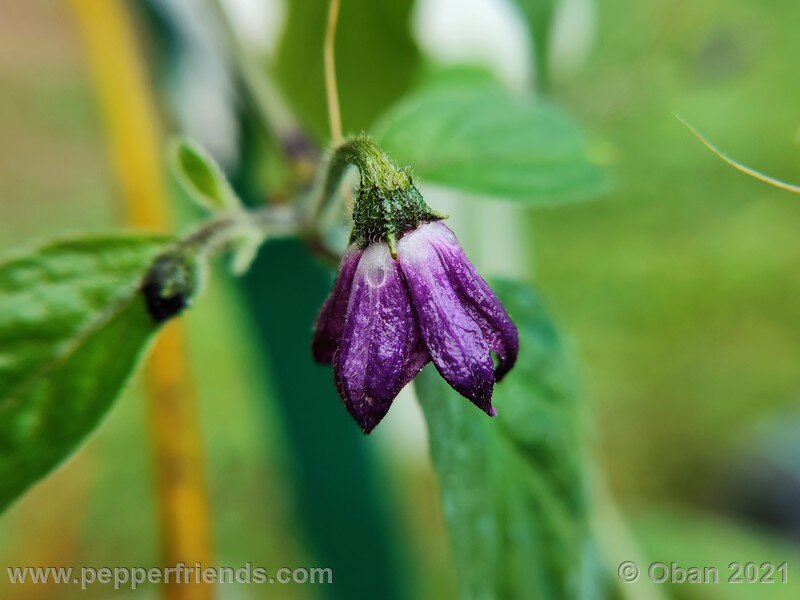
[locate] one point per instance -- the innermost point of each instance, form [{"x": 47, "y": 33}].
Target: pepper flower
[{"x": 406, "y": 294}]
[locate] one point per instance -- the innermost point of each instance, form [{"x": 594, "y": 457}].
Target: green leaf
[
  {"x": 376, "y": 60},
  {"x": 202, "y": 178},
  {"x": 512, "y": 487},
  {"x": 472, "y": 135},
  {"x": 73, "y": 324}
]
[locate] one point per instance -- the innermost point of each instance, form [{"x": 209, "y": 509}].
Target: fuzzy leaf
[
  {"x": 512, "y": 487},
  {"x": 73, "y": 324},
  {"x": 472, "y": 135},
  {"x": 202, "y": 178}
]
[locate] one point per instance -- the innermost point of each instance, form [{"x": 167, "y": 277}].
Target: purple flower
[{"x": 391, "y": 312}]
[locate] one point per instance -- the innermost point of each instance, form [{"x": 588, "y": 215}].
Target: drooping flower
[{"x": 407, "y": 294}]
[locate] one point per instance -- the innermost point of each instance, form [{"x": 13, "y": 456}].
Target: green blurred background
[{"x": 678, "y": 289}]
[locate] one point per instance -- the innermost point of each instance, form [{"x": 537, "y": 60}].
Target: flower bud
[{"x": 406, "y": 294}]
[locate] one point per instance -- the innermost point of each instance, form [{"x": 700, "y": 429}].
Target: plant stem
[
  {"x": 273, "y": 111},
  {"x": 373, "y": 165},
  {"x": 269, "y": 221},
  {"x": 331, "y": 90},
  {"x": 122, "y": 88},
  {"x": 277, "y": 118},
  {"x": 742, "y": 168}
]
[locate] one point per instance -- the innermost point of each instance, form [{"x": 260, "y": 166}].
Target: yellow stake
[{"x": 123, "y": 91}]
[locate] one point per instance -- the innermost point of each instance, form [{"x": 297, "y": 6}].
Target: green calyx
[{"x": 386, "y": 205}]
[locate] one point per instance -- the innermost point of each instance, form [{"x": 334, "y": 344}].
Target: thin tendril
[
  {"x": 331, "y": 91},
  {"x": 739, "y": 166}
]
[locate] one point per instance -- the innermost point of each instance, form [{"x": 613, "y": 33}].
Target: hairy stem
[
  {"x": 268, "y": 221},
  {"x": 373, "y": 166}
]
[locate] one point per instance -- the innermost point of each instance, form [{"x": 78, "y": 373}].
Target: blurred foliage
[
  {"x": 693, "y": 539},
  {"x": 343, "y": 509},
  {"x": 680, "y": 287},
  {"x": 539, "y": 16},
  {"x": 464, "y": 131},
  {"x": 513, "y": 487},
  {"x": 376, "y": 60}
]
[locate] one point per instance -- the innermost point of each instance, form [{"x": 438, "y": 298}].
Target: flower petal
[
  {"x": 477, "y": 297},
  {"x": 380, "y": 349},
  {"x": 455, "y": 341},
  {"x": 330, "y": 322}
]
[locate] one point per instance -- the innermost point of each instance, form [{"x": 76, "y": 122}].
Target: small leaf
[
  {"x": 512, "y": 487},
  {"x": 474, "y": 136},
  {"x": 245, "y": 249},
  {"x": 73, "y": 324},
  {"x": 202, "y": 178}
]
